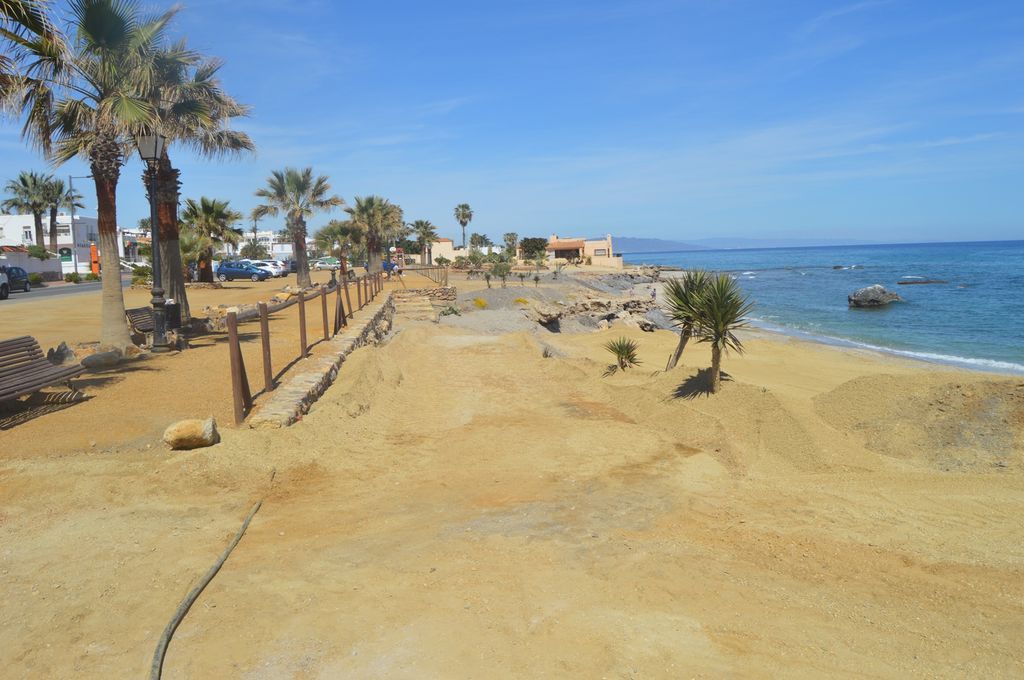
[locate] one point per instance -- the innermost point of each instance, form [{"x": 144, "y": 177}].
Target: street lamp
[{"x": 151, "y": 149}]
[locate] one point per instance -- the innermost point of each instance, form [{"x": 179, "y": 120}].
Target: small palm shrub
[
  {"x": 480, "y": 303},
  {"x": 36, "y": 279},
  {"x": 522, "y": 278},
  {"x": 722, "y": 310},
  {"x": 487, "y": 278},
  {"x": 92, "y": 276},
  {"x": 625, "y": 352},
  {"x": 536, "y": 280},
  {"x": 73, "y": 277},
  {"x": 682, "y": 297}
]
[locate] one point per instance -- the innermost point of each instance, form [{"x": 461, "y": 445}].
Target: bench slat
[{"x": 24, "y": 369}]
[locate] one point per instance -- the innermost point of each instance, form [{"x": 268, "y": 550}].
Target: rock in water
[
  {"x": 192, "y": 434},
  {"x": 872, "y": 296}
]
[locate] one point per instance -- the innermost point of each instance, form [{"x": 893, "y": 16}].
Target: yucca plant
[
  {"x": 522, "y": 278},
  {"x": 536, "y": 280},
  {"x": 721, "y": 311},
  {"x": 625, "y": 352},
  {"x": 682, "y": 300}
]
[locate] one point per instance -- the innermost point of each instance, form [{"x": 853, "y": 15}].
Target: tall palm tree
[
  {"x": 298, "y": 195},
  {"x": 381, "y": 221},
  {"x": 721, "y": 311},
  {"x": 93, "y": 111},
  {"x": 28, "y": 194},
  {"x": 212, "y": 219},
  {"x": 464, "y": 215},
  {"x": 426, "y": 234},
  {"x": 682, "y": 301},
  {"x": 193, "y": 111},
  {"x": 511, "y": 240},
  {"x": 58, "y": 196}
]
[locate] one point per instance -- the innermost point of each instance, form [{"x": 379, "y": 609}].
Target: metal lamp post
[{"x": 151, "y": 149}]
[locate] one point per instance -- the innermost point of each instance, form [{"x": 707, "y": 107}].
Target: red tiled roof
[
  {"x": 439, "y": 240},
  {"x": 13, "y": 249},
  {"x": 565, "y": 244}
]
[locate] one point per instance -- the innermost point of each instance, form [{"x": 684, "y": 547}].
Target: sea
[{"x": 975, "y": 319}]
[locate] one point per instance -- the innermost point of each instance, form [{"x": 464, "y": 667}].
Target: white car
[{"x": 272, "y": 267}]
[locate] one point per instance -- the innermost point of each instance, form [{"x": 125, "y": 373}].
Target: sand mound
[{"x": 964, "y": 423}]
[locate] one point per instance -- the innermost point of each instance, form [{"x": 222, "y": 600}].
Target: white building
[
  {"x": 19, "y": 230},
  {"x": 279, "y": 247}
]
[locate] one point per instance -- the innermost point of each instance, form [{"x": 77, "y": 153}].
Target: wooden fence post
[
  {"x": 323, "y": 307},
  {"x": 240, "y": 393},
  {"x": 339, "y": 311},
  {"x": 268, "y": 371},
  {"x": 302, "y": 324}
]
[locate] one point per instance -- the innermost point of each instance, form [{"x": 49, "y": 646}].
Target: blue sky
[{"x": 881, "y": 120}]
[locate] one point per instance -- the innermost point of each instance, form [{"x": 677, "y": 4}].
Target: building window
[
  {"x": 600, "y": 252},
  {"x": 92, "y": 236},
  {"x": 28, "y": 236}
]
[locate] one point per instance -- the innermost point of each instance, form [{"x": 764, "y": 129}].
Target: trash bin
[{"x": 173, "y": 311}]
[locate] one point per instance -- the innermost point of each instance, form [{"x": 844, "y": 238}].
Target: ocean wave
[
  {"x": 931, "y": 357},
  {"x": 912, "y": 277}
]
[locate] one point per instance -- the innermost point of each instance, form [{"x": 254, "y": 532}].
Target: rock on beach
[{"x": 192, "y": 434}]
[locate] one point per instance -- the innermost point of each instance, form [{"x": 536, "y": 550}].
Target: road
[{"x": 56, "y": 291}]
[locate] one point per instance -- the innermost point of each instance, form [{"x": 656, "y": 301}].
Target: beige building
[
  {"x": 444, "y": 247},
  {"x": 598, "y": 250}
]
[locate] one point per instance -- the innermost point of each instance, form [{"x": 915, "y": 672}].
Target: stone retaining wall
[
  {"x": 439, "y": 294},
  {"x": 296, "y": 395}
]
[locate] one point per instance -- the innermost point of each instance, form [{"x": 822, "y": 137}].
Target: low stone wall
[
  {"x": 296, "y": 395},
  {"x": 439, "y": 294}
]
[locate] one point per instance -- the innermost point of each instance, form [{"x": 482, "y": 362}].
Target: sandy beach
[{"x": 467, "y": 502}]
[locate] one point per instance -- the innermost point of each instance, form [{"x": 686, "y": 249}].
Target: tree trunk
[
  {"x": 374, "y": 254},
  {"x": 53, "y": 228},
  {"x": 716, "y": 368},
  {"x": 172, "y": 270},
  {"x": 205, "y": 267},
  {"x": 38, "y": 219},
  {"x": 114, "y": 327},
  {"x": 423, "y": 255},
  {"x": 463, "y": 236},
  {"x": 301, "y": 261},
  {"x": 684, "y": 337}
]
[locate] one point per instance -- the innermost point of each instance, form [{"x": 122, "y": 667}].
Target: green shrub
[
  {"x": 442, "y": 261},
  {"x": 38, "y": 252},
  {"x": 625, "y": 352},
  {"x": 502, "y": 270},
  {"x": 73, "y": 277},
  {"x": 451, "y": 310},
  {"x": 92, "y": 276},
  {"x": 36, "y": 279}
]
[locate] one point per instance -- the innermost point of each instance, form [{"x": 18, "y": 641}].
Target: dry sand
[{"x": 457, "y": 505}]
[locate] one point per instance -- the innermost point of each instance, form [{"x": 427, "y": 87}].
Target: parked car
[
  {"x": 5, "y": 288},
  {"x": 328, "y": 263},
  {"x": 17, "y": 279},
  {"x": 229, "y": 271},
  {"x": 279, "y": 268},
  {"x": 268, "y": 265}
]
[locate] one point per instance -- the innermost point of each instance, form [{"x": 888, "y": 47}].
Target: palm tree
[
  {"x": 426, "y": 234},
  {"x": 298, "y": 195},
  {"x": 337, "y": 236},
  {"x": 194, "y": 247},
  {"x": 722, "y": 310},
  {"x": 212, "y": 219},
  {"x": 380, "y": 220},
  {"x": 193, "y": 111},
  {"x": 625, "y": 352},
  {"x": 33, "y": 54},
  {"x": 682, "y": 298},
  {"x": 464, "y": 215},
  {"x": 57, "y": 197},
  {"x": 28, "y": 194},
  {"x": 511, "y": 240},
  {"x": 92, "y": 110}
]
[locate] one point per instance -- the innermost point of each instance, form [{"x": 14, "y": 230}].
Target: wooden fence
[
  {"x": 367, "y": 287},
  {"x": 435, "y": 273}
]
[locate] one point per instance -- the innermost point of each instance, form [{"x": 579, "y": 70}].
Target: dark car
[
  {"x": 17, "y": 278},
  {"x": 229, "y": 271}
]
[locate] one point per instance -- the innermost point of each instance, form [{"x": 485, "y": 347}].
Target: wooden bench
[
  {"x": 24, "y": 369},
  {"x": 140, "y": 319}
]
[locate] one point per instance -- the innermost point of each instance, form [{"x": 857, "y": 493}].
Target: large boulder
[
  {"x": 192, "y": 434},
  {"x": 102, "y": 360},
  {"x": 872, "y": 296}
]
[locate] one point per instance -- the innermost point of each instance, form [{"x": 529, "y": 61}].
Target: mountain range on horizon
[{"x": 632, "y": 244}]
